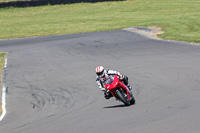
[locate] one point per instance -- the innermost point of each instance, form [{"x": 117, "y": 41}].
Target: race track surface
[{"x": 52, "y": 88}]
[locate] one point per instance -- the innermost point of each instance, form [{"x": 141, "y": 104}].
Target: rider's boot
[{"x": 107, "y": 94}]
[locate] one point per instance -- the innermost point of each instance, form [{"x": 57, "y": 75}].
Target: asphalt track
[{"x": 52, "y": 89}]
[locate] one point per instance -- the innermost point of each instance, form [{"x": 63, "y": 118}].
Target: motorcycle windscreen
[{"x": 109, "y": 80}]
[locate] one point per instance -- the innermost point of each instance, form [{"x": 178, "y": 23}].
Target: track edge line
[{"x": 4, "y": 92}]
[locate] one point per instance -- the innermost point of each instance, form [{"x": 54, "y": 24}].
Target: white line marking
[{"x": 4, "y": 95}]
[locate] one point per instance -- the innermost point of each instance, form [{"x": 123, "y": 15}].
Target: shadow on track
[{"x": 117, "y": 106}]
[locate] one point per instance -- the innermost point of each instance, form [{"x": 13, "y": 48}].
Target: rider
[{"x": 103, "y": 74}]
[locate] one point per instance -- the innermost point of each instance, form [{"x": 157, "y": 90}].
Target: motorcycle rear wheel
[{"x": 132, "y": 100}]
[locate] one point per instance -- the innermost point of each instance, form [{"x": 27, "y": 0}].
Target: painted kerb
[{"x": 3, "y": 96}]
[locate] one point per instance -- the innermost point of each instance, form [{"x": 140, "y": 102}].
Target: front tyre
[{"x": 122, "y": 98}]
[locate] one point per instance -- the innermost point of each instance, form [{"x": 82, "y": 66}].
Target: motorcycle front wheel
[{"x": 122, "y": 98}]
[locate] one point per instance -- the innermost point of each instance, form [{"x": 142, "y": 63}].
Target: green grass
[
  {"x": 179, "y": 19},
  {"x": 2, "y": 56},
  {"x": 10, "y": 0}
]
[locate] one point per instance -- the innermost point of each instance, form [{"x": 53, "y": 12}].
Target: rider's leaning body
[{"x": 102, "y": 75}]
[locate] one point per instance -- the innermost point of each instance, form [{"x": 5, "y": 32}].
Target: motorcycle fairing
[{"x": 113, "y": 83}]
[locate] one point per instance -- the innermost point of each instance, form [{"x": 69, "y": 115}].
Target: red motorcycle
[{"x": 119, "y": 90}]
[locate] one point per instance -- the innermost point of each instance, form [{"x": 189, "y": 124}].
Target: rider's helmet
[{"x": 100, "y": 71}]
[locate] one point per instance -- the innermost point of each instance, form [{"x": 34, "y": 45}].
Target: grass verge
[
  {"x": 2, "y": 57},
  {"x": 179, "y": 19},
  {"x": 9, "y": 0}
]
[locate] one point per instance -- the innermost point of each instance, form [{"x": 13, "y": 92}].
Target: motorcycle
[{"x": 119, "y": 90}]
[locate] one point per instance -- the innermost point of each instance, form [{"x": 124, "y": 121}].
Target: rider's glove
[{"x": 121, "y": 77}]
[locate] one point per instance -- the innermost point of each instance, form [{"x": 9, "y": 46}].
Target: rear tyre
[
  {"x": 122, "y": 98},
  {"x": 132, "y": 100}
]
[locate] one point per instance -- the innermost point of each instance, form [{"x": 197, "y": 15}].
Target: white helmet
[{"x": 100, "y": 71}]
